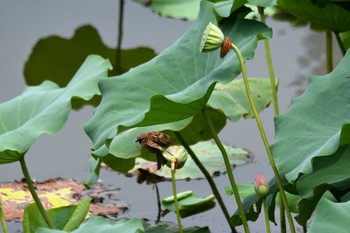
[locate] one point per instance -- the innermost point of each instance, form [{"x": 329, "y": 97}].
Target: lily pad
[
  {"x": 45, "y": 109},
  {"x": 210, "y": 156},
  {"x": 164, "y": 227},
  {"x": 172, "y": 87},
  {"x": 189, "y": 204},
  {"x": 314, "y": 125}
]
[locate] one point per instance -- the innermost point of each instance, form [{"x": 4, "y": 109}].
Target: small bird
[{"x": 156, "y": 143}]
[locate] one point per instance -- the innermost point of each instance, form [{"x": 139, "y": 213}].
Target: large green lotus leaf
[
  {"x": 331, "y": 170},
  {"x": 55, "y": 58},
  {"x": 45, "y": 109},
  {"x": 342, "y": 3},
  {"x": 262, "y": 3},
  {"x": 175, "y": 85},
  {"x": 313, "y": 126},
  {"x": 179, "y": 9},
  {"x": 331, "y": 16},
  {"x": 209, "y": 155},
  {"x": 189, "y": 204},
  {"x": 232, "y": 97},
  {"x": 103, "y": 225},
  {"x": 331, "y": 217}
]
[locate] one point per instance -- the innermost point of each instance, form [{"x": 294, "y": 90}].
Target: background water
[{"x": 297, "y": 53}]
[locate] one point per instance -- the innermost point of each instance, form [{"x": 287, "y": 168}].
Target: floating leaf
[
  {"x": 161, "y": 227},
  {"x": 209, "y": 155},
  {"x": 189, "y": 204},
  {"x": 313, "y": 126},
  {"x": 45, "y": 109},
  {"x": 57, "y": 193}
]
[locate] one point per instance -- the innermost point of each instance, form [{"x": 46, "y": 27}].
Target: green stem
[
  {"x": 267, "y": 222},
  {"x": 3, "y": 221},
  {"x": 34, "y": 194},
  {"x": 340, "y": 43},
  {"x": 120, "y": 37},
  {"x": 208, "y": 178},
  {"x": 270, "y": 68},
  {"x": 228, "y": 169},
  {"x": 158, "y": 203},
  {"x": 274, "y": 101},
  {"x": 283, "y": 217},
  {"x": 329, "y": 52},
  {"x": 264, "y": 138},
  {"x": 173, "y": 183}
]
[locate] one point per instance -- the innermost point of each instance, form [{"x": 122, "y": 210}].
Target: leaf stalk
[
  {"x": 229, "y": 171},
  {"x": 264, "y": 138},
  {"x": 35, "y": 195},
  {"x": 208, "y": 178},
  {"x": 173, "y": 184}
]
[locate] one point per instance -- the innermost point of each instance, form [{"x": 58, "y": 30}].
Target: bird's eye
[{"x": 143, "y": 140}]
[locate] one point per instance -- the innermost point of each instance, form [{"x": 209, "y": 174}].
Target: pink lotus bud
[{"x": 260, "y": 185}]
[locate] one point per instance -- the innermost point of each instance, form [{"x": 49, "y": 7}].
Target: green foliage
[
  {"x": 331, "y": 216},
  {"x": 302, "y": 137},
  {"x": 322, "y": 17},
  {"x": 189, "y": 204},
  {"x": 101, "y": 224},
  {"x": 45, "y": 109},
  {"x": 65, "y": 218},
  {"x": 312, "y": 139},
  {"x": 210, "y": 157},
  {"x": 170, "y": 93},
  {"x": 167, "y": 92}
]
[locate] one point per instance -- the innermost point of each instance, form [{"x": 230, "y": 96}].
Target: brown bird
[{"x": 156, "y": 143}]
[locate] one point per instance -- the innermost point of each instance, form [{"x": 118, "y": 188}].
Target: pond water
[{"x": 296, "y": 52}]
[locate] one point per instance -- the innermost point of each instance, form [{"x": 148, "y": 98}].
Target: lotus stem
[
  {"x": 329, "y": 51},
  {"x": 229, "y": 171},
  {"x": 173, "y": 183},
  {"x": 266, "y": 212},
  {"x": 270, "y": 66},
  {"x": 340, "y": 43},
  {"x": 2, "y": 217},
  {"x": 208, "y": 178},
  {"x": 274, "y": 100},
  {"x": 120, "y": 37},
  {"x": 35, "y": 195},
  {"x": 264, "y": 138}
]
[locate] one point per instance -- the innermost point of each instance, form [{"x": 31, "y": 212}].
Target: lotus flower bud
[
  {"x": 260, "y": 185},
  {"x": 177, "y": 152},
  {"x": 212, "y": 38}
]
